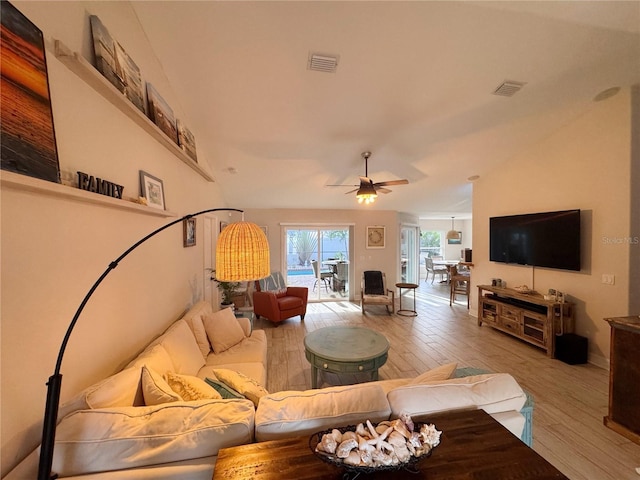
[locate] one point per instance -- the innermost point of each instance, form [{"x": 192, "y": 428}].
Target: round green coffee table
[{"x": 345, "y": 350}]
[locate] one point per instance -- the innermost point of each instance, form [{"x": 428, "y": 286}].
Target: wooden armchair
[
  {"x": 275, "y": 301},
  {"x": 374, "y": 290}
]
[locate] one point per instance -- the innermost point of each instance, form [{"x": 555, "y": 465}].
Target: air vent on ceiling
[
  {"x": 322, "y": 62},
  {"x": 509, "y": 88}
]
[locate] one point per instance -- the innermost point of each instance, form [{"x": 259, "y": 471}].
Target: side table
[{"x": 403, "y": 311}]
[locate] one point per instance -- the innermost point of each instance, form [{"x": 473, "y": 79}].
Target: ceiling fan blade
[
  {"x": 392, "y": 182},
  {"x": 351, "y": 191},
  {"x": 343, "y": 185},
  {"x": 382, "y": 190}
]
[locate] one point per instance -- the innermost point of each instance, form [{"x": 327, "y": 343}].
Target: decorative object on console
[
  {"x": 114, "y": 63},
  {"x": 152, "y": 189},
  {"x": 376, "y": 237},
  {"x": 242, "y": 254},
  {"x": 189, "y": 232},
  {"x": 27, "y": 137},
  {"x": 99, "y": 185},
  {"x": 186, "y": 140},
  {"x": 161, "y": 113}
]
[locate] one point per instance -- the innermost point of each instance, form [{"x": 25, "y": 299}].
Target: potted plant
[{"x": 229, "y": 291}]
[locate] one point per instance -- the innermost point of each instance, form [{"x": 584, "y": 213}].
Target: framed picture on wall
[
  {"x": 152, "y": 189},
  {"x": 455, "y": 241},
  {"x": 27, "y": 137},
  {"x": 376, "y": 237},
  {"x": 189, "y": 232}
]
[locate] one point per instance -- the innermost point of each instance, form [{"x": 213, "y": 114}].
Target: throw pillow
[
  {"x": 155, "y": 389},
  {"x": 443, "y": 372},
  {"x": 241, "y": 383},
  {"x": 191, "y": 388},
  {"x": 225, "y": 391},
  {"x": 223, "y": 330},
  {"x": 197, "y": 327}
]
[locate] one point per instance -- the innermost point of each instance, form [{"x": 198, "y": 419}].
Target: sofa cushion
[
  {"x": 223, "y": 330},
  {"x": 292, "y": 413},
  {"x": 288, "y": 302},
  {"x": 118, "y": 390},
  {"x": 191, "y": 388},
  {"x": 242, "y": 384},
  {"x": 493, "y": 393},
  {"x": 182, "y": 348},
  {"x": 251, "y": 349},
  {"x": 128, "y": 437},
  {"x": 197, "y": 328},
  {"x": 255, "y": 370},
  {"x": 156, "y": 358},
  {"x": 155, "y": 389},
  {"x": 443, "y": 372}
]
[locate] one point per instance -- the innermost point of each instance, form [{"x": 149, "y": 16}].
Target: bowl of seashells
[{"x": 368, "y": 448}]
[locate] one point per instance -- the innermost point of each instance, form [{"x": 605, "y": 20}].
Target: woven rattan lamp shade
[{"x": 242, "y": 253}]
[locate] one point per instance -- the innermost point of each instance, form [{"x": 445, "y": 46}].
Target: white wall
[
  {"x": 584, "y": 165},
  {"x": 54, "y": 249}
]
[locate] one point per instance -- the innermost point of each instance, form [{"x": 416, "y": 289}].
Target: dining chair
[
  {"x": 325, "y": 276},
  {"x": 431, "y": 269},
  {"x": 460, "y": 284}
]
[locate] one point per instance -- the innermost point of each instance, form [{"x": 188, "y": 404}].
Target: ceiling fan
[{"x": 367, "y": 191}]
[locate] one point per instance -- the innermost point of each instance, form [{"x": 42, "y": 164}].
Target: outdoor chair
[
  {"x": 341, "y": 277},
  {"x": 374, "y": 290},
  {"x": 325, "y": 276}
]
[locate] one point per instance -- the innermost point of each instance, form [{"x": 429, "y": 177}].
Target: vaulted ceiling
[{"x": 414, "y": 84}]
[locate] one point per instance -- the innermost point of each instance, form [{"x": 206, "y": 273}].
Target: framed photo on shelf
[
  {"x": 376, "y": 237},
  {"x": 161, "y": 113},
  {"x": 189, "y": 232},
  {"x": 152, "y": 189}
]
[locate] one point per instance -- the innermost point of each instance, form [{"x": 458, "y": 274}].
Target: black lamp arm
[{"x": 55, "y": 381}]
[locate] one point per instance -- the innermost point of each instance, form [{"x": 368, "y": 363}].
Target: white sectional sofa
[{"x": 158, "y": 418}]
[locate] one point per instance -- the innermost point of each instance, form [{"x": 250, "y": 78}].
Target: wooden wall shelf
[
  {"x": 43, "y": 187},
  {"x": 87, "y": 72}
]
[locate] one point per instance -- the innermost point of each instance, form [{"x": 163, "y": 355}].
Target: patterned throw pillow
[
  {"x": 225, "y": 391},
  {"x": 191, "y": 388},
  {"x": 244, "y": 385},
  {"x": 155, "y": 389}
]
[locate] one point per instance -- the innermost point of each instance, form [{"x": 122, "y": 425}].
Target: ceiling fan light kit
[{"x": 367, "y": 191}]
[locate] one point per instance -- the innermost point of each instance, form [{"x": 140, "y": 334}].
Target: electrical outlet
[{"x": 608, "y": 278}]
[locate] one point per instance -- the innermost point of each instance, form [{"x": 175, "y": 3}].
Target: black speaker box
[{"x": 572, "y": 348}]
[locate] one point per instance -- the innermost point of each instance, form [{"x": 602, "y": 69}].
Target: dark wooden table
[{"x": 473, "y": 446}]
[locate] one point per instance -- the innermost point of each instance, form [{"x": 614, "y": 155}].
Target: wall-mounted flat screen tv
[{"x": 549, "y": 239}]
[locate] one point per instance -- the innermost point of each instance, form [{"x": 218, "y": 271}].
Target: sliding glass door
[
  {"x": 318, "y": 258},
  {"x": 409, "y": 254}
]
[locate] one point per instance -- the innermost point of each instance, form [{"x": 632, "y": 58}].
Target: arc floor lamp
[{"x": 242, "y": 254}]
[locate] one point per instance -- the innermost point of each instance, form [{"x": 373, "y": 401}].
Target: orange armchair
[{"x": 275, "y": 301}]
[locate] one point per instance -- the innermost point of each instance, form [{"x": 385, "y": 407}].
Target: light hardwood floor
[{"x": 570, "y": 400}]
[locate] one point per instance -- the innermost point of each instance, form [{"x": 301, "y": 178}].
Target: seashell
[
  {"x": 430, "y": 435},
  {"x": 353, "y": 458},
  {"x": 415, "y": 440},
  {"x": 406, "y": 419},
  {"x": 328, "y": 443},
  {"x": 345, "y": 447},
  {"x": 403, "y": 454},
  {"x": 362, "y": 431},
  {"x": 380, "y": 428},
  {"x": 374, "y": 434},
  {"x": 400, "y": 427},
  {"x": 337, "y": 434},
  {"x": 349, "y": 435},
  {"x": 364, "y": 445},
  {"x": 396, "y": 439},
  {"x": 366, "y": 457},
  {"x": 381, "y": 458}
]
